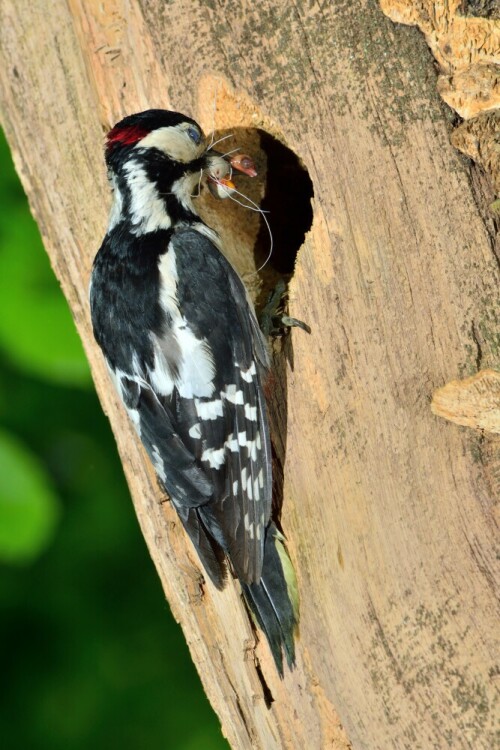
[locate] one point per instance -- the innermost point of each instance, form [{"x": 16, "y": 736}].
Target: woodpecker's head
[
  {"x": 154, "y": 134},
  {"x": 156, "y": 161}
]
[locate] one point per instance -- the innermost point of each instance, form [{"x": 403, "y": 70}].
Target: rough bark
[{"x": 389, "y": 511}]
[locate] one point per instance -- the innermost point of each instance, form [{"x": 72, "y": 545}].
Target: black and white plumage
[{"x": 188, "y": 359}]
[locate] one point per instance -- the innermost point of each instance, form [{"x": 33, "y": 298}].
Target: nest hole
[
  {"x": 283, "y": 190},
  {"x": 287, "y": 202}
]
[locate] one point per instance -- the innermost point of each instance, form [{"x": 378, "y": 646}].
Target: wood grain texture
[{"x": 390, "y": 512}]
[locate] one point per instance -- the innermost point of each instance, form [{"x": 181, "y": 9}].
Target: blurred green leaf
[
  {"x": 36, "y": 329},
  {"x": 29, "y": 508}
]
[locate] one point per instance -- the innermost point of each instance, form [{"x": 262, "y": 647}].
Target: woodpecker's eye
[{"x": 194, "y": 134}]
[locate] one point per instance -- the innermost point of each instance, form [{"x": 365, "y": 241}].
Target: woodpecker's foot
[{"x": 273, "y": 320}]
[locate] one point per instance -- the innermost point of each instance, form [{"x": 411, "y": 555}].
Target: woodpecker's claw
[
  {"x": 273, "y": 320},
  {"x": 289, "y": 322}
]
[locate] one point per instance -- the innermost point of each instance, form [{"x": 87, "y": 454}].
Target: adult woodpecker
[{"x": 188, "y": 359}]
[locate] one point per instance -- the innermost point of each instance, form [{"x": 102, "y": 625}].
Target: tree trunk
[{"x": 389, "y": 511}]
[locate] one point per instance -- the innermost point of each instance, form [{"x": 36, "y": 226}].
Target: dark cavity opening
[
  {"x": 283, "y": 190},
  {"x": 287, "y": 202}
]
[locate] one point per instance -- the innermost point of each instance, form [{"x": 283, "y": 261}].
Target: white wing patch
[
  {"x": 195, "y": 431},
  {"x": 233, "y": 395},
  {"x": 116, "y": 377},
  {"x": 232, "y": 444},
  {"x": 135, "y": 419},
  {"x": 158, "y": 462},
  {"x": 256, "y": 489},
  {"x": 215, "y": 457},
  {"x": 208, "y": 409},
  {"x": 161, "y": 376},
  {"x": 195, "y": 366},
  {"x": 247, "y": 375},
  {"x": 169, "y": 278},
  {"x": 251, "y": 412}
]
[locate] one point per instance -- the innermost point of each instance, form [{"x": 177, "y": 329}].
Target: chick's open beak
[
  {"x": 221, "y": 187},
  {"x": 243, "y": 163}
]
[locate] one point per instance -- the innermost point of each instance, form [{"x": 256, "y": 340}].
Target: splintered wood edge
[
  {"x": 473, "y": 402},
  {"x": 466, "y": 49},
  {"x": 478, "y": 139}
]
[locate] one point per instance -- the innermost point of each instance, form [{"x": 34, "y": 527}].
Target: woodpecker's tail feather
[{"x": 274, "y": 600}]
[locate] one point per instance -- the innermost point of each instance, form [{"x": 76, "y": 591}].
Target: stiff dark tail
[{"x": 274, "y": 600}]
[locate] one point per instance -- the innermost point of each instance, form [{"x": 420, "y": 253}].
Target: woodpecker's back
[{"x": 188, "y": 359}]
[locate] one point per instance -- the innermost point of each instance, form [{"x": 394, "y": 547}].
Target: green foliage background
[{"x": 91, "y": 656}]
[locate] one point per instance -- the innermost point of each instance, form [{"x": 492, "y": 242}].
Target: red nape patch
[{"x": 125, "y": 135}]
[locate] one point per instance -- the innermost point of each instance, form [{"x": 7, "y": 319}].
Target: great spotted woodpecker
[{"x": 186, "y": 354}]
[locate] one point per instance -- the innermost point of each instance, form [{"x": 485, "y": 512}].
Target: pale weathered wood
[{"x": 389, "y": 510}]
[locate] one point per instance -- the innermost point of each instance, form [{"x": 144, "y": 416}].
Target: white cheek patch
[
  {"x": 184, "y": 189},
  {"x": 147, "y": 207},
  {"x": 174, "y": 142}
]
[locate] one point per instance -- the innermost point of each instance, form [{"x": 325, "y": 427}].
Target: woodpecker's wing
[
  {"x": 201, "y": 409},
  {"x": 175, "y": 465}
]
